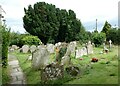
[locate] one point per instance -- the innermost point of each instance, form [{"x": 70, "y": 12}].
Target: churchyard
[
  {"x": 56, "y": 48},
  {"x": 79, "y": 65}
]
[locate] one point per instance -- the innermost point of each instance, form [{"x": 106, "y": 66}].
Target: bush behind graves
[
  {"x": 98, "y": 38},
  {"x": 31, "y": 40}
]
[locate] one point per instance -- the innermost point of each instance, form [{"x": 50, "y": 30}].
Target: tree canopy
[
  {"x": 51, "y": 24},
  {"x": 106, "y": 27}
]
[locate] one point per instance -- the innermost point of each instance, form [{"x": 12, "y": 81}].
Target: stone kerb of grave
[
  {"x": 72, "y": 70},
  {"x": 52, "y": 72}
]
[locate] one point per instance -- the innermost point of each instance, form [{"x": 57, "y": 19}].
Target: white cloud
[{"x": 86, "y": 10}]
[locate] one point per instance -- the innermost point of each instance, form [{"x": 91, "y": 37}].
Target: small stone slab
[
  {"x": 17, "y": 82},
  {"x": 17, "y": 74},
  {"x": 20, "y": 77},
  {"x": 14, "y": 62}
]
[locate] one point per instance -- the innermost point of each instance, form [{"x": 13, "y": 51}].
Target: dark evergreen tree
[{"x": 51, "y": 24}]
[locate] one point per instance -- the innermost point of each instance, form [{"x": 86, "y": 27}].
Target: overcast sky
[{"x": 86, "y": 10}]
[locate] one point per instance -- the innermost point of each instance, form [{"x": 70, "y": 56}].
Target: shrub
[
  {"x": 31, "y": 40},
  {"x": 5, "y": 44},
  {"x": 98, "y": 38}
]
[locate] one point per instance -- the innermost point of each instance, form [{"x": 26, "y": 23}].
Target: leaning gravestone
[
  {"x": 40, "y": 58},
  {"x": 50, "y": 48},
  {"x": 25, "y": 48},
  {"x": 60, "y": 52},
  {"x": 52, "y": 72},
  {"x": 66, "y": 58},
  {"x": 32, "y": 48}
]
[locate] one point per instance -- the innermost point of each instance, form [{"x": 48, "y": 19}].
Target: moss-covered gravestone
[
  {"x": 60, "y": 52},
  {"x": 52, "y": 71}
]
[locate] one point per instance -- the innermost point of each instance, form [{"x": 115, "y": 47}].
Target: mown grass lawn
[{"x": 105, "y": 71}]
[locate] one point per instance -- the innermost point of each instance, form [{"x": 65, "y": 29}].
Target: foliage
[
  {"x": 5, "y": 76},
  {"x": 98, "y": 38},
  {"x": 21, "y": 39},
  {"x": 51, "y": 24},
  {"x": 31, "y": 40},
  {"x": 118, "y": 36},
  {"x": 114, "y": 36},
  {"x": 5, "y": 44},
  {"x": 106, "y": 27}
]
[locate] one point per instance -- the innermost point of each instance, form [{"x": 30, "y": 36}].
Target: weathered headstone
[
  {"x": 25, "y": 48},
  {"x": 52, "y": 72},
  {"x": 15, "y": 47},
  {"x": 66, "y": 58},
  {"x": 32, "y": 48},
  {"x": 89, "y": 48},
  {"x": 79, "y": 53},
  {"x": 40, "y": 58},
  {"x": 50, "y": 48},
  {"x": 41, "y": 46},
  {"x": 72, "y": 47},
  {"x": 60, "y": 52}
]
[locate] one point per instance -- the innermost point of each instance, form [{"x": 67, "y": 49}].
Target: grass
[
  {"x": 5, "y": 77},
  {"x": 105, "y": 71}
]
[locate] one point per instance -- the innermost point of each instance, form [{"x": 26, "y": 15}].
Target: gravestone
[
  {"x": 72, "y": 47},
  {"x": 79, "y": 53},
  {"x": 15, "y": 47},
  {"x": 52, "y": 72},
  {"x": 30, "y": 57},
  {"x": 40, "y": 58},
  {"x": 60, "y": 52},
  {"x": 110, "y": 44},
  {"x": 32, "y": 48},
  {"x": 25, "y": 48},
  {"x": 89, "y": 48},
  {"x": 50, "y": 48},
  {"x": 105, "y": 50},
  {"x": 58, "y": 44},
  {"x": 84, "y": 51},
  {"x": 66, "y": 58}
]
